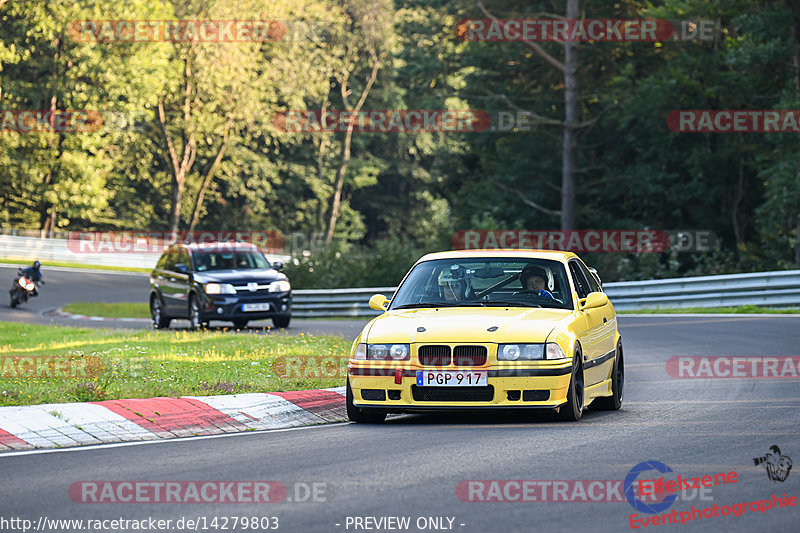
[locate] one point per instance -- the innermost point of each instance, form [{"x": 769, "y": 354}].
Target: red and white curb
[{"x": 75, "y": 424}]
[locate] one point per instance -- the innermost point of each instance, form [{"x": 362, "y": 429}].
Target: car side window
[
  {"x": 581, "y": 285},
  {"x": 184, "y": 259},
  {"x": 593, "y": 285},
  {"x": 162, "y": 262},
  {"x": 170, "y": 259}
]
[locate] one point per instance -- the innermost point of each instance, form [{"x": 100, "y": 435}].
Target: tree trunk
[
  {"x": 337, "y": 192},
  {"x": 570, "y": 142},
  {"x": 180, "y": 167},
  {"x": 198, "y": 205}
]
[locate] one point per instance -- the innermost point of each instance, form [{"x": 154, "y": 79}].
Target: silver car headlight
[
  {"x": 554, "y": 351},
  {"x": 520, "y": 352},
  {"x": 388, "y": 352},
  {"x": 280, "y": 286},
  {"x": 219, "y": 288}
]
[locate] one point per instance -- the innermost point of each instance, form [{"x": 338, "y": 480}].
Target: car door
[
  {"x": 592, "y": 342},
  {"x": 609, "y": 327},
  {"x": 168, "y": 282},
  {"x": 181, "y": 280}
]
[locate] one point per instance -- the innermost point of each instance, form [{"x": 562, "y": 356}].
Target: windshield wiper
[
  {"x": 427, "y": 305},
  {"x": 511, "y": 303}
]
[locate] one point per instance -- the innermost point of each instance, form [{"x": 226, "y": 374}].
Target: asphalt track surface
[{"x": 411, "y": 465}]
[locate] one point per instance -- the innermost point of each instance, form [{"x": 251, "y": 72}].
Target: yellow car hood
[{"x": 465, "y": 325}]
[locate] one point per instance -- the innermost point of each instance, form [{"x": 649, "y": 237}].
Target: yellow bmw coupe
[{"x": 483, "y": 329}]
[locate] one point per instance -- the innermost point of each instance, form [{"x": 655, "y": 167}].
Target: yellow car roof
[{"x": 556, "y": 255}]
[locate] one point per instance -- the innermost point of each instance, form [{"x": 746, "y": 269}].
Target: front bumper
[
  {"x": 542, "y": 386},
  {"x": 229, "y": 307}
]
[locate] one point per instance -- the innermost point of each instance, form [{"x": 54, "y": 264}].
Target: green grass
[
  {"x": 45, "y": 264},
  {"x": 110, "y": 310},
  {"x": 46, "y": 364},
  {"x": 742, "y": 309}
]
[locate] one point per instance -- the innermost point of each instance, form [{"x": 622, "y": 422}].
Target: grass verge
[
  {"x": 742, "y": 309},
  {"x": 46, "y": 264},
  {"x": 109, "y": 310},
  {"x": 46, "y": 364}
]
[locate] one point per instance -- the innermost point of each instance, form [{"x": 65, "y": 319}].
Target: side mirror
[
  {"x": 378, "y": 302},
  {"x": 180, "y": 267},
  {"x": 594, "y": 300},
  {"x": 277, "y": 265}
]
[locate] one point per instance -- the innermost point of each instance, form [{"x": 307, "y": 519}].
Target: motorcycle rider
[{"x": 33, "y": 272}]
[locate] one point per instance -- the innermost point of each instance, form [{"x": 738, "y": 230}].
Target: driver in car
[
  {"x": 453, "y": 284},
  {"x": 534, "y": 280}
]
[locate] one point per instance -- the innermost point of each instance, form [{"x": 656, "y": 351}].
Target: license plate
[
  {"x": 255, "y": 307},
  {"x": 452, "y": 378}
]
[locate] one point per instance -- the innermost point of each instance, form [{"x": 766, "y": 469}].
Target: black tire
[
  {"x": 240, "y": 324},
  {"x": 573, "y": 409},
  {"x": 614, "y": 402},
  {"x": 195, "y": 320},
  {"x": 281, "y": 321},
  {"x": 356, "y": 414},
  {"x": 13, "y": 301},
  {"x": 157, "y": 314}
]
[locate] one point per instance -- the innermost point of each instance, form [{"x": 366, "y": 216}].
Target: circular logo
[{"x": 636, "y": 503}]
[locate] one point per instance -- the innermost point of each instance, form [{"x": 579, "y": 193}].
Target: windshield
[
  {"x": 205, "y": 261},
  {"x": 514, "y": 282}
]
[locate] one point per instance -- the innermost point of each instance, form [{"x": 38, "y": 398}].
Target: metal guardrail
[
  {"x": 766, "y": 289},
  {"x": 27, "y": 249}
]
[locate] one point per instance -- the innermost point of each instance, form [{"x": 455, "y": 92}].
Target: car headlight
[
  {"x": 361, "y": 351},
  {"x": 514, "y": 352},
  {"x": 220, "y": 288},
  {"x": 554, "y": 351},
  {"x": 280, "y": 286},
  {"x": 388, "y": 352}
]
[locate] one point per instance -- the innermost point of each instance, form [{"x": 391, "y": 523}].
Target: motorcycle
[{"x": 22, "y": 289}]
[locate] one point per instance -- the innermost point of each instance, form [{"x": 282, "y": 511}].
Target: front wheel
[
  {"x": 614, "y": 402},
  {"x": 195, "y": 322},
  {"x": 13, "y": 300},
  {"x": 573, "y": 409},
  {"x": 356, "y": 414}
]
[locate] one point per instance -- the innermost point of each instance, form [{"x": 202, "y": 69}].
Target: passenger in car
[{"x": 534, "y": 279}]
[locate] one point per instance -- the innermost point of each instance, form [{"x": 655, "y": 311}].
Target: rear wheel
[
  {"x": 281, "y": 321},
  {"x": 157, "y": 314},
  {"x": 573, "y": 409},
  {"x": 356, "y": 414},
  {"x": 614, "y": 402}
]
